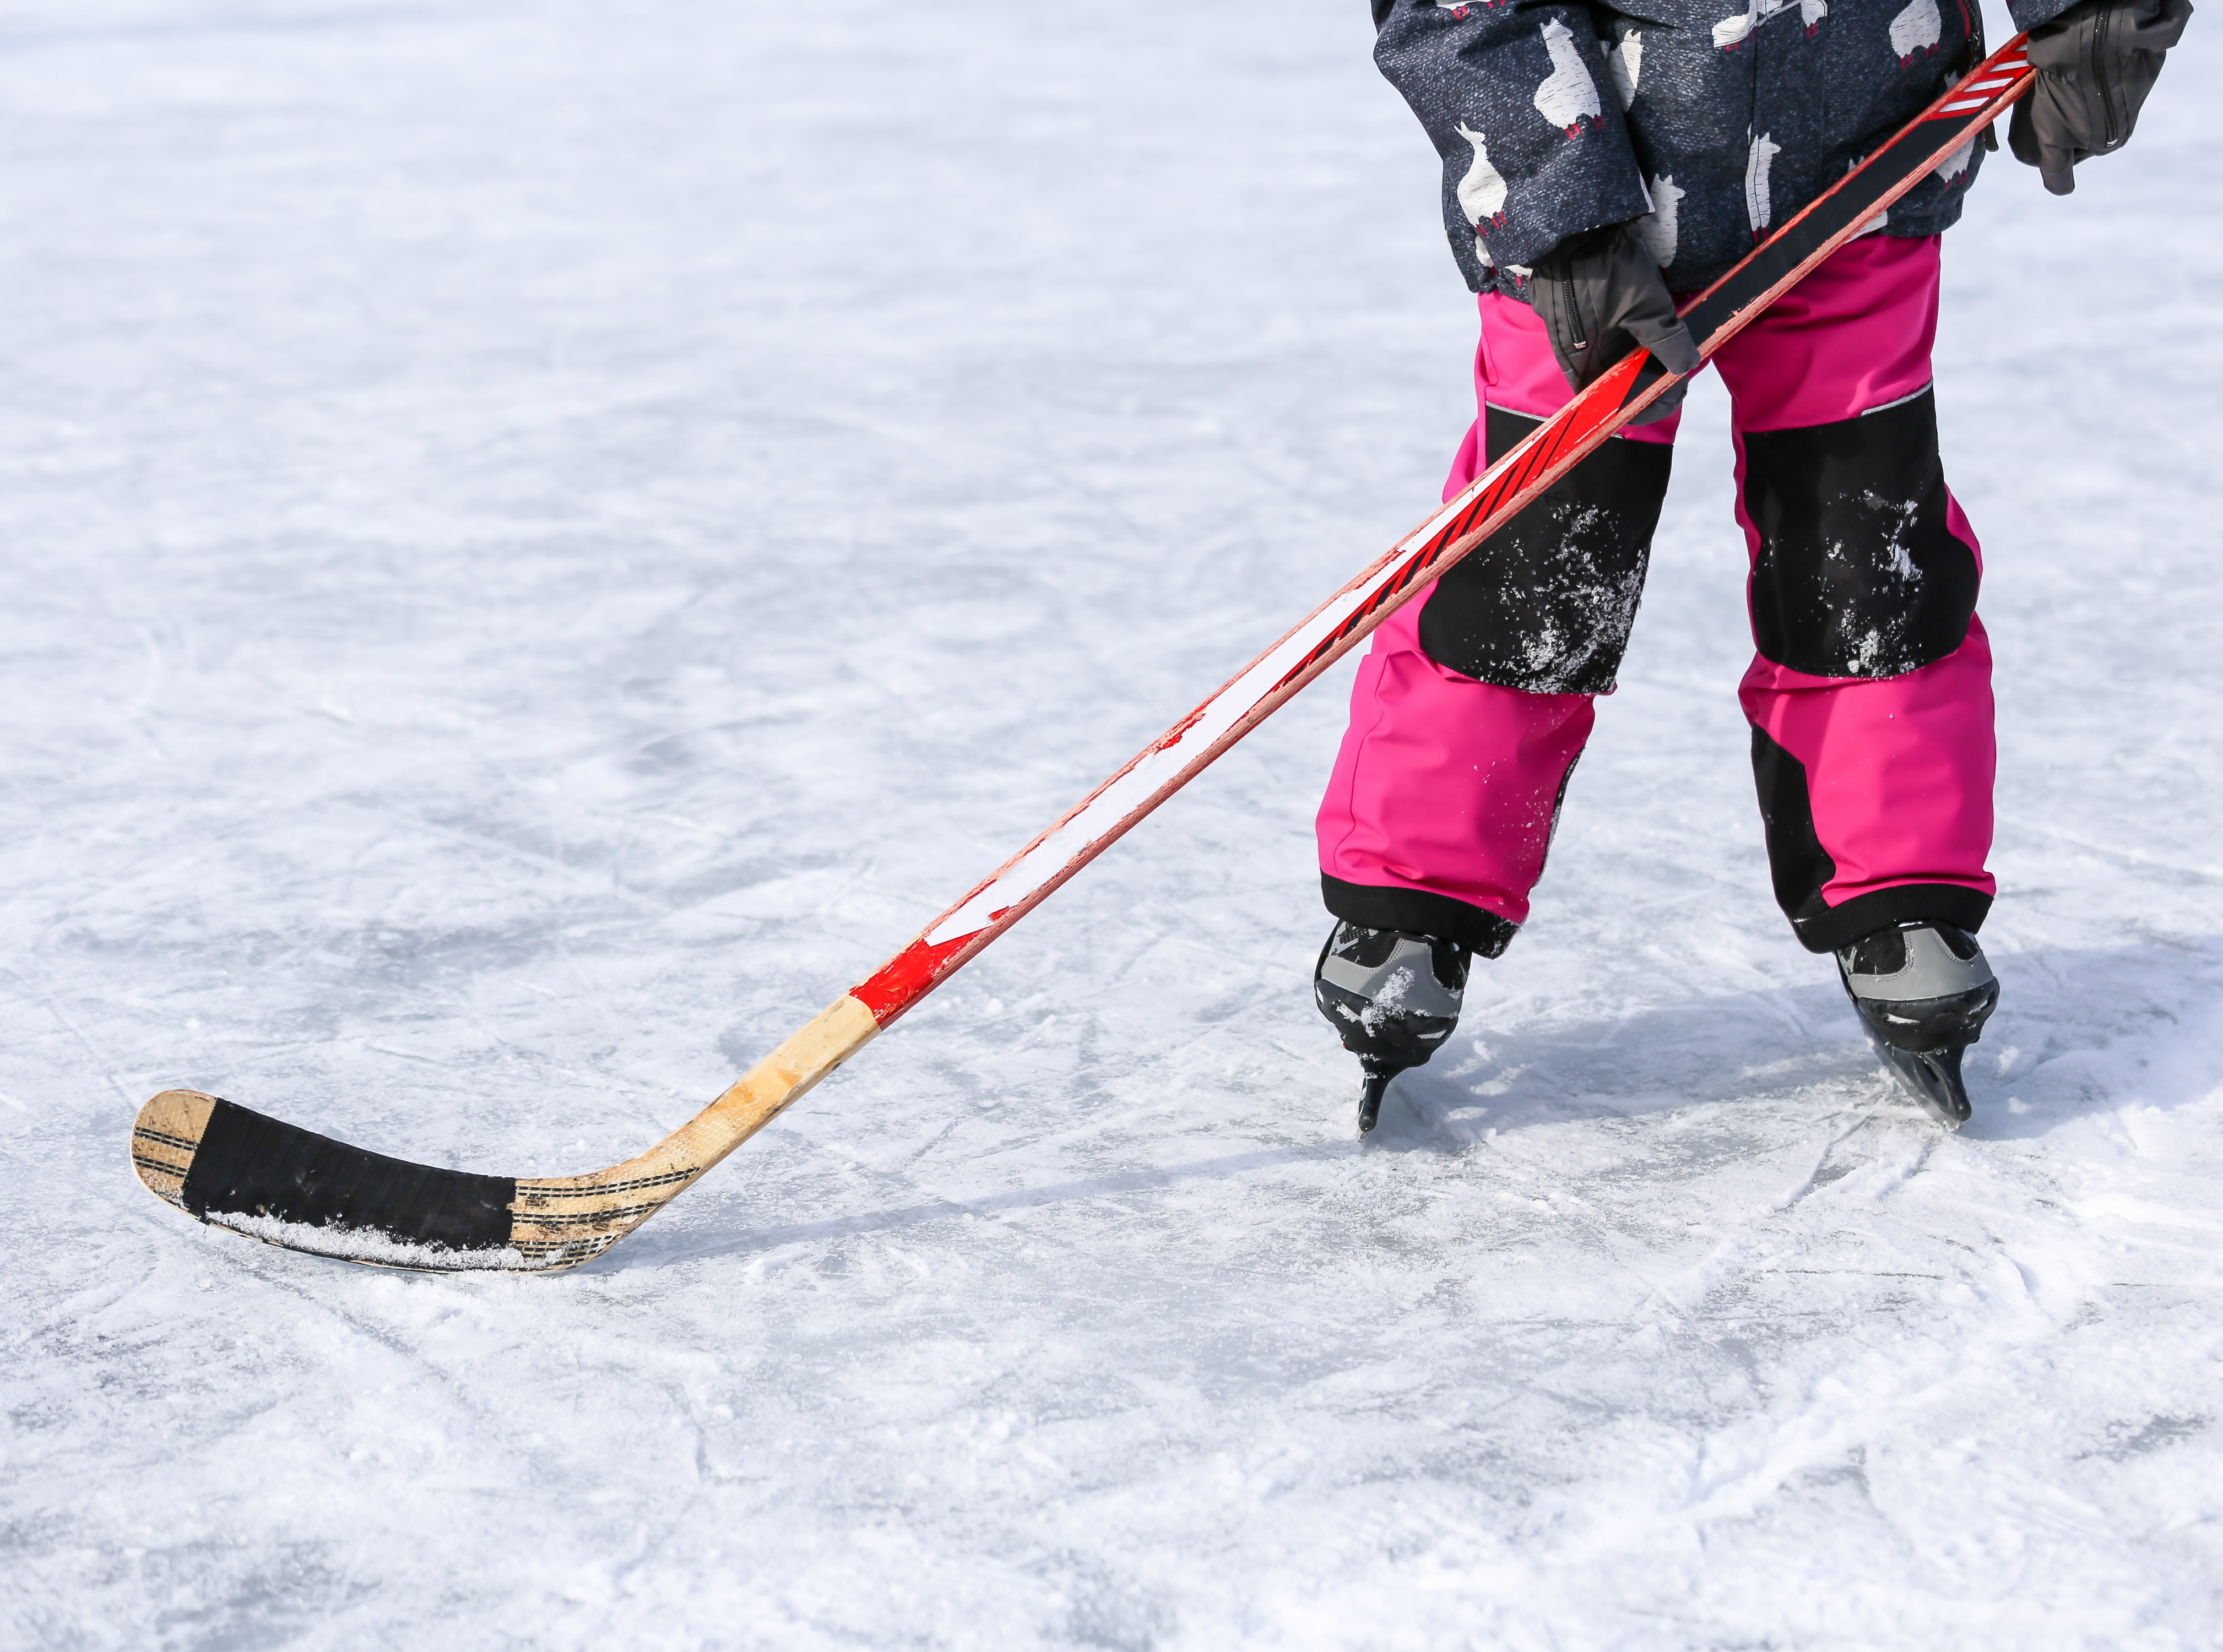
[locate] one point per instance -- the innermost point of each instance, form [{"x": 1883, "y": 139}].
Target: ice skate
[
  {"x": 1392, "y": 998},
  {"x": 1923, "y": 992}
]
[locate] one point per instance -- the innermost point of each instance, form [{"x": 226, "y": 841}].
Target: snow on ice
[
  {"x": 544, "y": 540},
  {"x": 357, "y": 1245}
]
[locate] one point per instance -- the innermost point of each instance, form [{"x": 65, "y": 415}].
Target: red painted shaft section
[{"x": 1548, "y": 453}]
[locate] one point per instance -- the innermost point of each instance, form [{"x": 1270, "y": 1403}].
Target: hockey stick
[{"x": 236, "y": 1168}]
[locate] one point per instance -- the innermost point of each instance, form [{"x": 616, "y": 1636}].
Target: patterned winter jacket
[{"x": 1707, "y": 124}]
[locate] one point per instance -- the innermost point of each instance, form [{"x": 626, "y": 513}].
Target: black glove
[
  {"x": 1600, "y": 296},
  {"x": 2095, "y": 63}
]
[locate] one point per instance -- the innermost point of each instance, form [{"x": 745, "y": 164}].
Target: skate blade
[
  {"x": 1369, "y": 1098},
  {"x": 1933, "y": 1078}
]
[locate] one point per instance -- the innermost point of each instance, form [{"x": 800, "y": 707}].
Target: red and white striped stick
[{"x": 1339, "y": 625}]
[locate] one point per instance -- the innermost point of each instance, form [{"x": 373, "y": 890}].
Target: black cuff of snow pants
[
  {"x": 1824, "y": 929},
  {"x": 1418, "y": 912}
]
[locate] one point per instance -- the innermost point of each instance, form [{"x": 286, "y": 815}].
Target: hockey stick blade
[{"x": 235, "y": 1168}]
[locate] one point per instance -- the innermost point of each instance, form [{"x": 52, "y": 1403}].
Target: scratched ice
[{"x": 545, "y": 540}]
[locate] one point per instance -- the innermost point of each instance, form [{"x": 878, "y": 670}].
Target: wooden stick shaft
[{"x": 777, "y": 1082}]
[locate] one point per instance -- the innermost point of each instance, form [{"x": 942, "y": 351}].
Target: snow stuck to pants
[{"x": 544, "y": 540}]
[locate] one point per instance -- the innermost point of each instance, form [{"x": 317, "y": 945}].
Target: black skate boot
[
  {"x": 1392, "y": 997},
  {"x": 1923, "y": 992}
]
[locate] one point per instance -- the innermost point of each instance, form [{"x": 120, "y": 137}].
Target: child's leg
[
  {"x": 1474, "y": 702},
  {"x": 1439, "y": 810},
  {"x": 1870, "y": 696}
]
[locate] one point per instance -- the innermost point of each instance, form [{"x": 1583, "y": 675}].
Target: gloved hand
[
  {"x": 2095, "y": 63},
  {"x": 1600, "y": 296}
]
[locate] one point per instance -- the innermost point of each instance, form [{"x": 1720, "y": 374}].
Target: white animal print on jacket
[
  {"x": 1733, "y": 31},
  {"x": 1656, "y": 228},
  {"x": 1482, "y": 191},
  {"x": 1568, "y": 96},
  {"x": 1917, "y": 28},
  {"x": 1625, "y": 63},
  {"x": 1758, "y": 160}
]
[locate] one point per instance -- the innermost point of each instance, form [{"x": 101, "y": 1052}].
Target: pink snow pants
[{"x": 1870, "y": 697}]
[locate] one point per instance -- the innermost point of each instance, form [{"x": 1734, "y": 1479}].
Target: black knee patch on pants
[
  {"x": 1858, "y": 575},
  {"x": 1801, "y": 868},
  {"x": 1545, "y": 604}
]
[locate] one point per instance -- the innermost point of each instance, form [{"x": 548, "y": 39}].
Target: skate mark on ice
[
  {"x": 2129, "y": 1440},
  {"x": 2071, "y": 1041}
]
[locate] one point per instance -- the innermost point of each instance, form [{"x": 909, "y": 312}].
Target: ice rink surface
[{"x": 543, "y": 540}]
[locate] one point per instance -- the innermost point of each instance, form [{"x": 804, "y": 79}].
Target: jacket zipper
[
  {"x": 1972, "y": 25},
  {"x": 2099, "y": 74}
]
